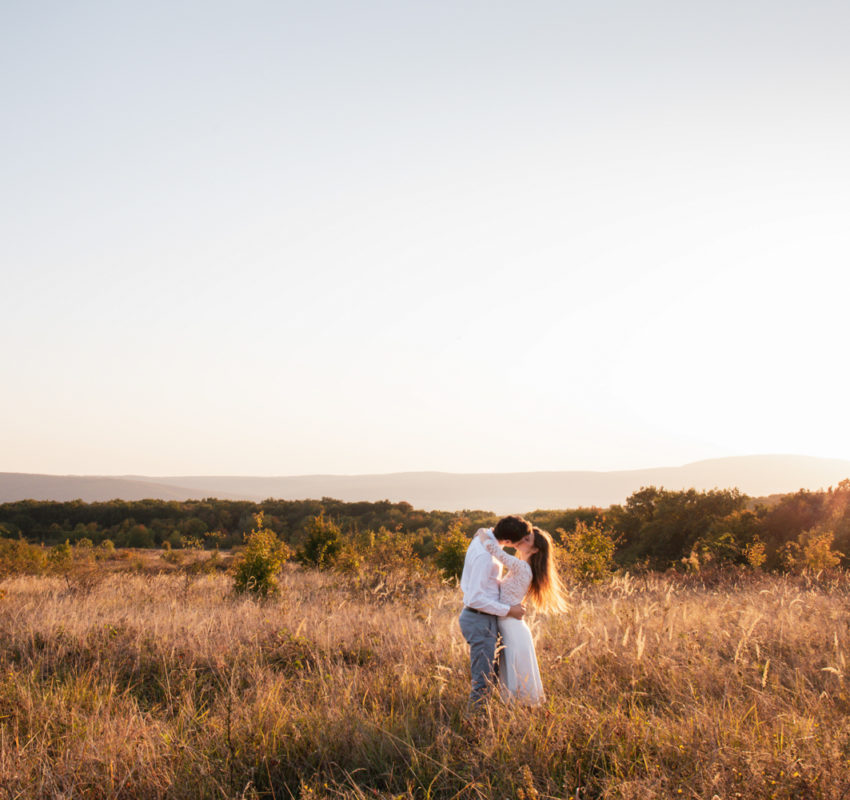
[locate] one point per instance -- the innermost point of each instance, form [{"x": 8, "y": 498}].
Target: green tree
[
  {"x": 194, "y": 528},
  {"x": 140, "y": 536},
  {"x": 664, "y": 526},
  {"x": 783, "y": 524}
]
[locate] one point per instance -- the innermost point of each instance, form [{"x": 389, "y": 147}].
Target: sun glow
[{"x": 338, "y": 263}]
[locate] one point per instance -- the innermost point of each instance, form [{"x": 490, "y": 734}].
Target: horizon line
[{"x": 423, "y": 471}]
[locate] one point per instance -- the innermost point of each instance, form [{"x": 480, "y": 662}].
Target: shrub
[
  {"x": 588, "y": 551},
  {"x": 392, "y": 552},
  {"x": 264, "y": 555},
  {"x": 349, "y": 560},
  {"x": 171, "y": 556},
  {"x": 451, "y": 550},
  {"x": 389, "y": 567},
  {"x": 717, "y": 546},
  {"x": 323, "y": 542},
  {"x": 84, "y": 550},
  {"x": 210, "y": 565},
  {"x": 17, "y": 557},
  {"x": 60, "y": 557},
  {"x": 755, "y": 553},
  {"x": 812, "y": 551},
  {"x": 106, "y": 549},
  {"x": 191, "y": 543}
]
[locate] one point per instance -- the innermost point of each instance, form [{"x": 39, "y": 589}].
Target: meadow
[{"x": 138, "y": 684}]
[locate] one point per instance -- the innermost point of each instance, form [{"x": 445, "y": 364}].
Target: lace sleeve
[{"x": 494, "y": 549}]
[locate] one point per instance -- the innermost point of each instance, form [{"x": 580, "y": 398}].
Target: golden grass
[{"x": 137, "y": 686}]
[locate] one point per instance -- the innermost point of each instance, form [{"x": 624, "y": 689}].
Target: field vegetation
[
  {"x": 703, "y": 655},
  {"x": 135, "y": 677}
]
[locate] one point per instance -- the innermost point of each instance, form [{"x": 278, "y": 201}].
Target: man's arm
[
  {"x": 492, "y": 546},
  {"x": 477, "y": 573},
  {"x": 477, "y": 576},
  {"x": 480, "y": 602}
]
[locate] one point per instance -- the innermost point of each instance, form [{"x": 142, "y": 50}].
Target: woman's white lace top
[{"x": 515, "y": 584}]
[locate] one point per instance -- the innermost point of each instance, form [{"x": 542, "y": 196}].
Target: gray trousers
[{"x": 481, "y": 632}]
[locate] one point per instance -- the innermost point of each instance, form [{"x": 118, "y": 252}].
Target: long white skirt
[{"x": 519, "y": 675}]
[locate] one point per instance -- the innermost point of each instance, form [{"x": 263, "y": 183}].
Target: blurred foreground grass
[{"x": 138, "y": 686}]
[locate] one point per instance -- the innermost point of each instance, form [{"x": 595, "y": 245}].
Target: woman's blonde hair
[{"x": 545, "y": 591}]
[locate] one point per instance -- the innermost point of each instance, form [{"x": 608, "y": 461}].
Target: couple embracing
[{"x": 494, "y": 605}]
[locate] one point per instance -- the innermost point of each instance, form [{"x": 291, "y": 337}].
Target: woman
[{"x": 531, "y": 575}]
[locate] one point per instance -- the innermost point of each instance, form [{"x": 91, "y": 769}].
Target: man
[{"x": 481, "y": 607}]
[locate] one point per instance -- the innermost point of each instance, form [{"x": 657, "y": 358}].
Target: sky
[{"x": 280, "y": 238}]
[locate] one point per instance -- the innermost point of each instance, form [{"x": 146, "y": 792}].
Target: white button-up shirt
[{"x": 480, "y": 579}]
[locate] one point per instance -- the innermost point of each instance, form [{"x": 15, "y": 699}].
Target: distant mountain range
[{"x": 498, "y": 492}]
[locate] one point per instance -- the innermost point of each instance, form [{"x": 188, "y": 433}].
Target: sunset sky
[{"x": 282, "y": 238}]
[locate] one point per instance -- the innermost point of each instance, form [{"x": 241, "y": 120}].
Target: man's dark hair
[{"x": 512, "y": 528}]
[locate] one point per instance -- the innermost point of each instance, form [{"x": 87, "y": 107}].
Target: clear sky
[{"x": 347, "y": 237}]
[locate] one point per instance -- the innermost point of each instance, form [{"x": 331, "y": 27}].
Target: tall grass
[{"x": 140, "y": 686}]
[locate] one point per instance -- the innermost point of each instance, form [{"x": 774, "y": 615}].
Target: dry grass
[{"x": 137, "y": 686}]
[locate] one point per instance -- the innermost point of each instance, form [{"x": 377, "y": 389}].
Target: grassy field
[{"x": 134, "y": 685}]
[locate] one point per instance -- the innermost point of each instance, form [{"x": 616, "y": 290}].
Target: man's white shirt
[{"x": 480, "y": 579}]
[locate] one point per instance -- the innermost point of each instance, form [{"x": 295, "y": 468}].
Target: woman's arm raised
[{"x": 495, "y": 550}]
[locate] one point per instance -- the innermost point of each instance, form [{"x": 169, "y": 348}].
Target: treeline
[
  {"x": 657, "y": 528},
  {"x": 215, "y": 523},
  {"x": 654, "y": 528}
]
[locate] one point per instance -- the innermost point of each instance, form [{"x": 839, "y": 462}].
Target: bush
[
  {"x": 264, "y": 555},
  {"x": 19, "y": 557},
  {"x": 84, "y": 550},
  {"x": 171, "y": 556},
  {"x": 191, "y": 543},
  {"x": 60, "y": 557},
  {"x": 451, "y": 550},
  {"x": 717, "y": 547},
  {"x": 106, "y": 549},
  {"x": 323, "y": 543},
  {"x": 588, "y": 551},
  {"x": 755, "y": 553},
  {"x": 391, "y": 553},
  {"x": 349, "y": 560},
  {"x": 812, "y": 551},
  {"x": 387, "y": 566}
]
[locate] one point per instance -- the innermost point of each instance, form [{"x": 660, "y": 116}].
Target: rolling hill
[{"x": 499, "y": 492}]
